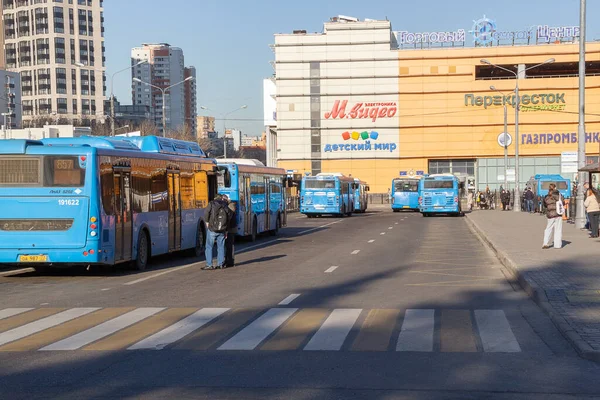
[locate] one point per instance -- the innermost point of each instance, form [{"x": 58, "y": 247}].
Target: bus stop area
[{"x": 564, "y": 282}]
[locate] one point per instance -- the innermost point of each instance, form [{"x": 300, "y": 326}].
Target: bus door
[
  {"x": 123, "y": 214},
  {"x": 267, "y": 181},
  {"x": 174, "y": 210},
  {"x": 248, "y": 211}
]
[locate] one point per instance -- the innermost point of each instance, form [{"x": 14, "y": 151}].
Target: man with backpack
[
  {"x": 230, "y": 236},
  {"x": 554, "y": 211},
  {"x": 217, "y": 216}
]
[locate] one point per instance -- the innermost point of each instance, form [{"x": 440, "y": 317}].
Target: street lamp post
[
  {"x": 224, "y": 129},
  {"x": 579, "y": 198},
  {"x": 505, "y": 137},
  {"x": 517, "y": 102},
  {"x": 164, "y": 101},
  {"x": 112, "y": 96}
]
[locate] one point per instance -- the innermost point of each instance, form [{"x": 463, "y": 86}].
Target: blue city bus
[
  {"x": 439, "y": 195},
  {"x": 327, "y": 193},
  {"x": 541, "y": 183},
  {"x": 405, "y": 193},
  {"x": 258, "y": 192},
  {"x": 102, "y": 201},
  {"x": 361, "y": 197}
]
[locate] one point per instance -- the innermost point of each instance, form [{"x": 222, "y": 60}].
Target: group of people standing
[{"x": 221, "y": 227}]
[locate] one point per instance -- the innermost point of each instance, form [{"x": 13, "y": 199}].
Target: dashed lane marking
[
  {"x": 331, "y": 269},
  {"x": 355, "y": 252},
  {"x": 371, "y": 241}
]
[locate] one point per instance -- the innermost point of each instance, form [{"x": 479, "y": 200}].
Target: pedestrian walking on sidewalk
[
  {"x": 554, "y": 211},
  {"x": 470, "y": 201},
  {"x": 505, "y": 199},
  {"x": 593, "y": 210}
]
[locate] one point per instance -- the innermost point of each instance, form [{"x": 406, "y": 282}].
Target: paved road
[{"x": 375, "y": 306}]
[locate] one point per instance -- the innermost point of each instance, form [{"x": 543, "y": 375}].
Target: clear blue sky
[{"x": 228, "y": 41}]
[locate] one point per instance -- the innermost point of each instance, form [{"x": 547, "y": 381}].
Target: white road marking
[
  {"x": 16, "y": 271},
  {"x": 252, "y": 335},
  {"x": 495, "y": 333},
  {"x": 382, "y": 233},
  {"x": 43, "y": 324},
  {"x": 417, "y": 331},
  {"x": 332, "y": 334},
  {"x": 45, "y": 304},
  {"x": 257, "y": 245},
  {"x": 179, "y": 330},
  {"x": 396, "y": 223},
  {"x": 160, "y": 274},
  {"x": 391, "y": 227},
  {"x": 289, "y": 299},
  {"x": 319, "y": 227},
  {"x": 371, "y": 241},
  {"x": 105, "y": 289},
  {"x": 331, "y": 269},
  {"x": 355, "y": 252},
  {"x": 98, "y": 332},
  {"x": 9, "y": 312}
]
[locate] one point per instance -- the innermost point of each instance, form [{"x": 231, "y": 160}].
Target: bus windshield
[
  {"x": 319, "y": 184},
  {"x": 47, "y": 171},
  {"x": 434, "y": 184},
  {"x": 406, "y": 186}
]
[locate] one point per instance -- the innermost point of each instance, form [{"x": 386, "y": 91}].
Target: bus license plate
[
  {"x": 38, "y": 258},
  {"x": 405, "y": 207}
]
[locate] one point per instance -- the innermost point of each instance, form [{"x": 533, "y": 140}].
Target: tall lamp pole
[
  {"x": 517, "y": 206},
  {"x": 112, "y": 96},
  {"x": 224, "y": 121},
  {"x": 505, "y": 137},
  {"x": 164, "y": 100},
  {"x": 579, "y": 207}
]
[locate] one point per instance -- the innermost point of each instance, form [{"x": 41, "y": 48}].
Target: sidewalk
[{"x": 565, "y": 282}]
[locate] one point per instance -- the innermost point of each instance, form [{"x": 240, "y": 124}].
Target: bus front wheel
[
  {"x": 275, "y": 231},
  {"x": 198, "y": 250},
  {"x": 143, "y": 252}
]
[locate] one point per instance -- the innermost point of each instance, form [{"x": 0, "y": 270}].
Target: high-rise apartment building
[
  {"x": 190, "y": 99},
  {"x": 204, "y": 125},
  {"x": 58, "y": 49},
  {"x": 164, "y": 67}
]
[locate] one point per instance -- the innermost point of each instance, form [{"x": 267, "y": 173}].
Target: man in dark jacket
[
  {"x": 216, "y": 230},
  {"x": 505, "y": 199},
  {"x": 529, "y": 200},
  {"x": 230, "y": 236},
  {"x": 554, "y": 218}
]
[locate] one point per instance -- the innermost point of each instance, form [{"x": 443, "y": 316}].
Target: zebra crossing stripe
[
  {"x": 251, "y": 336},
  {"x": 43, "y": 324},
  {"x": 100, "y": 331},
  {"x": 495, "y": 333},
  {"x": 179, "y": 330},
  {"x": 9, "y": 312},
  {"x": 332, "y": 334},
  {"x": 416, "y": 333}
]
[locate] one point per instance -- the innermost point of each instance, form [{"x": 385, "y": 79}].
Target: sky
[{"x": 228, "y": 41}]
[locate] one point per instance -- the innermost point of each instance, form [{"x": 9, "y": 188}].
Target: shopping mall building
[{"x": 374, "y": 103}]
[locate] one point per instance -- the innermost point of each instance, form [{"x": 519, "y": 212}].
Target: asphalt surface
[{"x": 377, "y": 306}]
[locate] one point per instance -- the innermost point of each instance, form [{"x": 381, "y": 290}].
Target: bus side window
[{"x": 201, "y": 188}]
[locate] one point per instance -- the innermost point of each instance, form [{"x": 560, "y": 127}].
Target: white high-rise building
[
  {"x": 58, "y": 49},
  {"x": 164, "y": 67}
]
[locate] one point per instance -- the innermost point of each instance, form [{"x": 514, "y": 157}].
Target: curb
[{"x": 538, "y": 295}]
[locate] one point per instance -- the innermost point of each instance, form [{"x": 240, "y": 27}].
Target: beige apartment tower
[{"x": 58, "y": 49}]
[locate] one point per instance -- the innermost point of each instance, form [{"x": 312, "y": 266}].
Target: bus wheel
[
  {"x": 198, "y": 250},
  {"x": 143, "y": 250},
  {"x": 425, "y": 214},
  {"x": 254, "y": 230},
  {"x": 41, "y": 269},
  {"x": 275, "y": 231},
  {"x": 395, "y": 210}
]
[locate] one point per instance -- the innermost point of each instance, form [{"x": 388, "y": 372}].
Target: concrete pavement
[{"x": 564, "y": 282}]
